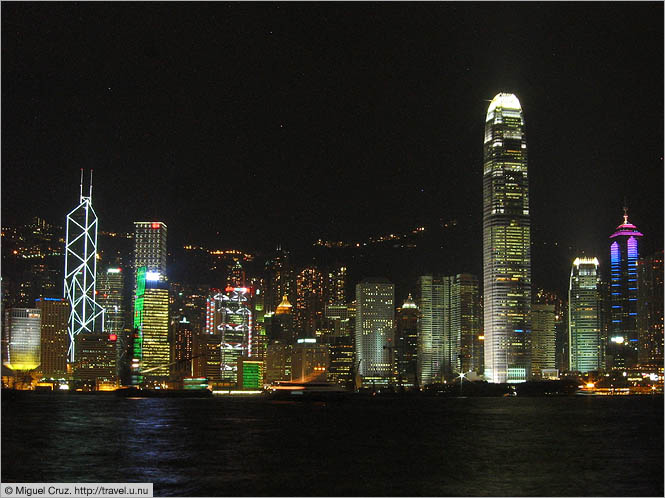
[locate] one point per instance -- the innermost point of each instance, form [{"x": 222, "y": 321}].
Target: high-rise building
[
  {"x": 430, "y": 329},
  {"x": 341, "y": 359},
  {"x": 183, "y": 348},
  {"x": 375, "y": 314},
  {"x": 110, "y": 296},
  {"x": 278, "y": 362},
  {"x": 151, "y": 317},
  {"x": 543, "y": 339},
  {"x": 650, "y": 310},
  {"x": 54, "y": 337},
  {"x": 23, "y": 338},
  {"x": 86, "y": 315},
  {"x": 309, "y": 302},
  {"x": 624, "y": 253},
  {"x": 466, "y": 318},
  {"x": 335, "y": 288},
  {"x": 96, "y": 360},
  {"x": 309, "y": 361},
  {"x": 250, "y": 374},
  {"x": 235, "y": 330},
  {"x": 406, "y": 343},
  {"x": 150, "y": 247},
  {"x": 506, "y": 243},
  {"x": 542, "y": 296},
  {"x": 280, "y": 280},
  {"x": 584, "y": 317}
]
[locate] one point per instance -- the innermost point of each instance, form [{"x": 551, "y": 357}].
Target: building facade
[
  {"x": 430, "y": 329},
  {"x": 406, "y": 343},
  {"x": 650, "y": 310},
  {"x": 54, "y": 337},
  {"x": 375, "y": 315},
  {"x": 624, "y": 252},
  {"x": 543, "y": 339},
  {"x": 150, "y": 247},
  {"x": 506, "y": 243},
  {"x": 110, "y": 296},
  {"x": 584, "y": 335},
  {"x": 23, "y": 338}
]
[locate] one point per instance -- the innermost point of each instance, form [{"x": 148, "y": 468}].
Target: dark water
[{"x": 572, "y": 446}]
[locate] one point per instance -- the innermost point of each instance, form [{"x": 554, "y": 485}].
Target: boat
[
  {"x": 307, "y": 391},
  {"x": 135, "y": 392}
]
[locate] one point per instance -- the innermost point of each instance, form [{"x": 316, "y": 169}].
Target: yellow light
[{"x": 590, "y": 385}]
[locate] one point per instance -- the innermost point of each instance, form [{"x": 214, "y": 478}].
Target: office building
[
  {"x": 341, "y": 356},
  {"x": 624, "y": 253},
  {"x": 543, "y": 339},
  {"x": 151, "y": 317},
  {"x": 54, "y": 337},
  {"x": 96, "y": 360},
  {"x": 86, "y": 315},
  {"x": 110, "y": 296},
  {"x": 430, "y": 330},
  {"x": 280, "y": 280},
  {"x": 650, "y": 310},
  {"x": 250, "y": 374},
  {"x": 235, "y": 330},
  {"x": 150, "y": 247},
  {"x": 406, "y": 343},
  {"x": 23, "y": 338},
  {"x": 584, "y": 339},
  {"x": 335, "y": 288},
  {"x": 183, "y": 348},
  {"x": 309, "y": 361},
  {"x": 466, "y": 317},
  {"x": 506, "y": 243},
  {"x": 278, "y": 362},
  {"x": 309, "y": 302},
  {"x": 375, "y": 316}
]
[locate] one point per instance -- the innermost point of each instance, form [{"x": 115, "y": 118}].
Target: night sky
[{"x": 247, "y": 125}]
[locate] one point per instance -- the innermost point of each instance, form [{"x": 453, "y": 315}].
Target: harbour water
[{"x": 504, "y": 446}]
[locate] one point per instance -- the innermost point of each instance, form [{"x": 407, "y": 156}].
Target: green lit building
[{"x": 506, "y": 243}]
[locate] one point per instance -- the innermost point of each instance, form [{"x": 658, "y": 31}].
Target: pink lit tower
[{"x": 624, "y": 253}]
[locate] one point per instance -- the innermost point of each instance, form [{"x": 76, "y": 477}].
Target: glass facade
[
  {"x": 585, "y": 351},
  {"x": 543, "y": 339},
  {"x": 24, "y": 342},
  {"x": 506, "y": 243}
]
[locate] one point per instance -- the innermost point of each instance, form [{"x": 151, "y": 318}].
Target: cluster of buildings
[{"x": 124, "y": 323}]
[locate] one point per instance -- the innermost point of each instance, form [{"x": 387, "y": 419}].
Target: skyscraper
[
  {"x": 624, "y": 253},
  {"x": 54, "y": 338},
  {"x": 110, "y": 296},
  {"x": 406, "y": 343},
  {"x": 585, "y": 351},
  {"x": 506, "y": 243},
  {"x": 543, "y": 335},
  {"x": 309, "y": 302},
  {"x": 430, "y": 329},
  {"x": 150, "y": 247},
  {"x": 23, "y": 331},
  {"x": 375, "y": 315},
  {"x": 650, "y": 310},
  {"x": 86, "y": 315},
  {"x": 466, "y": 305}
]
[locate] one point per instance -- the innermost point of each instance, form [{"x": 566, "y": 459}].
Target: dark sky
[{"x": 245, "y": 125}]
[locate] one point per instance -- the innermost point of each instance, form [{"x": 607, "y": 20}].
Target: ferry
[{"x": 307, "y": 391}]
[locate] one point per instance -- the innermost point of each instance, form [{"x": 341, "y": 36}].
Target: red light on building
[
  {"x": 155, "y": 224},
  {"x": 113, "y": 337},
  {"x": 229, "y": 289}
]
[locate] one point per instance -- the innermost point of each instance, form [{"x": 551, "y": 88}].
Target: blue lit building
[{"x": 624, "y": 253}]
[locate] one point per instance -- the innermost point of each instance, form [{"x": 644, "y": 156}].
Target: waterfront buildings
[
  {"x": 465, "y": 324},
  {"x": 624, "y": 253},
  {"x": 183, "y": 348},
  {"x": 341, "y": 355},
  {"x": 235, "y": 330},
  {"x": 584, "y": 337},
  {"x": 54, "y": 337},
  {"x": 309, "y": 361},
  {"x": 95, "y": 364},
  {"x": 650, "y": 310},
  {"x": 278, "y": 362},
  {"x": 375, "y": 315},
  {"x": 86, "y": 315},
  {"x": 543, "y": 339},
  {"x": 506, "y": 243},
  {"x": 23, "y": 338},
  {"x": 309, "y": 302}
]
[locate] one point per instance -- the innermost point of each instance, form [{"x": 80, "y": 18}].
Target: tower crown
[{"x": 504, "y": 101}]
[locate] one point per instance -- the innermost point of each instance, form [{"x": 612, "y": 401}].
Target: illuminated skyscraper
[
  {"x": 466, "y": 317},
  {"x": 624, "y": 253},
  {"x": 506, "y": 243},
  {"x": 375, "y": 314},
  {"x": 151, "y": 317},
  {"x": 23, "y": 331},
  {"x": 110, "y": 296},
  {"x": 543, "y": 335},
  {"x": 280, "y": 280},
  {"x": 309, "y": 302},
  {"x": 86, "y": 315},
  {"x": 650, "y": 310},
  {"x": 430, "y": 329},
  {"x": 406, "y": 343},
  {"x": 584, "y": 317},
  {"x": 54, "y": 337},
  {"x": 335, "y": 288},
  {"x": 235, "y": 330},
  {"x": 150, "y": 247}
]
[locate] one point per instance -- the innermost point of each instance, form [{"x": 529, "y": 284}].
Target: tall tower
[
  {"x": 506, "y": 243},
  {"x": 81, "y": 270},
  {"x": 585, "y": 352},
  {"x": 150, "y": 247},
  {"x": 375, "y": 316},
  {"x": 650, "y": 312},
  {"x": 624, "y": 253},
  {"x": 430, "y": 329}
]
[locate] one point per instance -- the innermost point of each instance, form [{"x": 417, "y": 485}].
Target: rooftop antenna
[
  {"x": 625, "y": 211},
  {"x": 91, "y": 183},
  {"x": 81, "y": 187}
]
